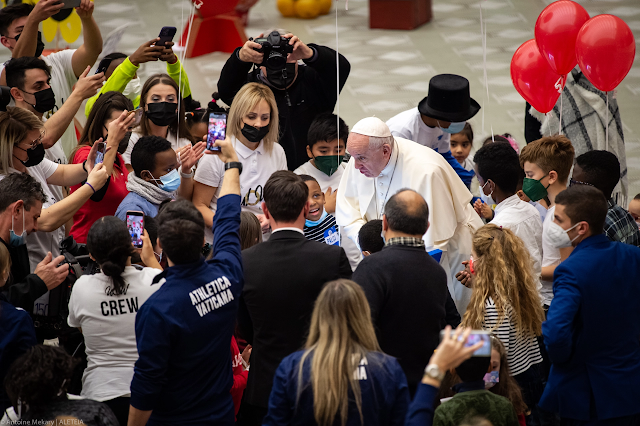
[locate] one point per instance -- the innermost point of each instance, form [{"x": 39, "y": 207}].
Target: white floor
[{"x": 391, "y": 69}]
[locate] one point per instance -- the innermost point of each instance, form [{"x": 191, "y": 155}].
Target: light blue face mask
[
  {"x": 454, "y": 127},
  {"x": 18, "y": 240},
  {"x": 170, "y": 181},
  {"x": 490, "y": 379},
  {"x": 311, "y": 223}
]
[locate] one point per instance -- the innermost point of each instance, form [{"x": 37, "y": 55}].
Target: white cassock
[{"x": 452, "y": 218}]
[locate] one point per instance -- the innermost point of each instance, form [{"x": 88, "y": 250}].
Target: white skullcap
[{"x": 372, "y": 126}]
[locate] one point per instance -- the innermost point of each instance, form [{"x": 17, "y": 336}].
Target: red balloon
[
  {"x": 534, "y": 79},
  {"x": 556, "y": 31},
  {"x": 605, "y": 49}
]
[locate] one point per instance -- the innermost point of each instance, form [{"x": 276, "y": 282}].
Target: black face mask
[
  {"x": 45, "y": 100},
  {"x": 162, "y": 113},
  {"x": 281, "y": 79},
  {"x": 35, "y": 156},
  {"x": 39, "y": 44},
  {"x": 254, "y": 134}
]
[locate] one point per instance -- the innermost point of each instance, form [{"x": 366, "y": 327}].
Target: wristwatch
[
  {"x": 232, "y": 165},
  {"x": 433, "y": 371}
]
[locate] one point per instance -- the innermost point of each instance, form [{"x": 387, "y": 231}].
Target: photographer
[
  {"x": 302, "y": 91},
  {"x": 103, "y": 306},
  {"x": 20, "y": 207}
]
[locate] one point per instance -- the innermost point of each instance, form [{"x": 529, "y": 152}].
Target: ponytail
[{"x": 109, "y": 243}]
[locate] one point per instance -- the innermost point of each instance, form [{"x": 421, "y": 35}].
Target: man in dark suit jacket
[
  {"x": 593, "y": 325},
  {"x": 406, "y": 288},
  {"x": 282, "y": 279}
]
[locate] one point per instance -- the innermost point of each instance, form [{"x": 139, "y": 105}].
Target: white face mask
[
  {"x": 487, "y": 199},
  {"x": 558, "y": 237},
  {"x": 133, "y": 89}
]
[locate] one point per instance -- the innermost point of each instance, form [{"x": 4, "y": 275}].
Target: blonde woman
[
  {"x": 341, "y": 377},
  {"x": 505, "y": 300},
  {"x": 252, "y": 128}
]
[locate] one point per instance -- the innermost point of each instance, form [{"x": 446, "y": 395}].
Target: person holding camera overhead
[
  {"x": 302, "y": 90},
  {"x": 104, "y": 306}
]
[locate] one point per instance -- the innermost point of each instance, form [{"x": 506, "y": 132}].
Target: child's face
[
  {"x": 322, "y": 148},
  {"x": 460, "y": 147},
  {"x": 495, "y": 361},
  {"x": 634, "y": 209},
  {"x": 316, "y": 201}
]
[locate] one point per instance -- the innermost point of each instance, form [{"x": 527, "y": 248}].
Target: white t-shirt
[
  {"x": 176, "y": 144},
  {"x": 62, "y": 80},
  {"x": 257, "y": 166},
  {"x": 39, "y": 243},
  {"x": 108, "y": 326},
  {"x": 550, "y": 256},
  {"x": 323, "y": 180},
  {"x": 409, "y": 125},
  {"x": 56, "y": 154}
]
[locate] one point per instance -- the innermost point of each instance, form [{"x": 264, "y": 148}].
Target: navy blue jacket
[
  {"x": 184, "y": 330},
  {"x": 17, "y": 335},
  {"x": 383, "y": 386},
  {"x": 592, "y": 332}
]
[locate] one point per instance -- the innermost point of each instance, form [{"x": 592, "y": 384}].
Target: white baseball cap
[{"x": 372, "y": 126}]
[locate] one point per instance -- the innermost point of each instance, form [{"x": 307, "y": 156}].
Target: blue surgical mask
[
  {"x": 311, "y": 223},
  {"x": 170, "y": 181},
  {"x": 454, "y": 127},
  {"x": 487, "y": 199},
  {"x": 18, "y": 240}
]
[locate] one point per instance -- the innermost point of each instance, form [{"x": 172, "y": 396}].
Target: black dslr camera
[{"x": 275, "y": 49}]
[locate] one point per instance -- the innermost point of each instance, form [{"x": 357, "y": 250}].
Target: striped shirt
[
  {"x": 522, "y": 350},
  {"x": 325, "y": 232}
]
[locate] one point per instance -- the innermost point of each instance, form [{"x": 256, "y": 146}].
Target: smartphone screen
[
  {"x": 68, "y": 4},
  {"x": 166, "y": 34},
  {"x": 103, "y": 65},
  {"x": 217, "y": 130},
  {"x": 100, "y": 152},
  {"x": 475, "y": 337},
  {"x": 135, "y": 224}
]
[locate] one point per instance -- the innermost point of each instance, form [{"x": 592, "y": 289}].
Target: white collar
[
  {"x": 390, "y": 167},
  {"x": 243, "y": 151},
  {"x": 288, "y": 228},
  {"x": 507, "y": 202}
]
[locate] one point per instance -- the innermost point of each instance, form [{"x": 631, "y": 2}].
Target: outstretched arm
[{"x": 88, "y": 53}]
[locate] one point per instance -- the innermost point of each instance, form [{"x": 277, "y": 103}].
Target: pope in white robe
[{"x": 378, "y": 170}]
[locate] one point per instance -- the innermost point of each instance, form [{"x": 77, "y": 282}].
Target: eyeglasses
[
  {"x": 573, "y": 182},
  {"x": 36, "y": 142}
]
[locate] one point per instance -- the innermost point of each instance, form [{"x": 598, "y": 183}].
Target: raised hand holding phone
[
  {"x": 135, "y": 225},
  {"x": 217, "y": 130}
]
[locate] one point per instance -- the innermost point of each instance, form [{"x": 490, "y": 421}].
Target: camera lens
[{"x": 276, "y": 60}]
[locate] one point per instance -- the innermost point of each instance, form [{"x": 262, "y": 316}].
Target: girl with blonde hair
[
  {"x": 341, "y": 377},
  {"x": 505, "y": 301},
  {"x": 252, "y": 128}
]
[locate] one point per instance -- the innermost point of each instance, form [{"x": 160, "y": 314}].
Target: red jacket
[{"x": 239, "y": 375}]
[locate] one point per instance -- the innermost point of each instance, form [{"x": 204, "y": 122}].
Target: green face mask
[
  {"x": 328, "y": 164},
  {"x": 534, "y": 189}
]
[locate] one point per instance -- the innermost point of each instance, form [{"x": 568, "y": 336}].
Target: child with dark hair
[
  {"x": 327, "y": 141},
  {"x": 37, "y": 386},
  {"x": 104, "y": 307},
  {"x": 634, "y": 209},
  {"x": 250, "y": 230},
  {"x": 319, "y": 226},
  {"x": 472, "y": 397},
  {"x": 370, "y": 237}
]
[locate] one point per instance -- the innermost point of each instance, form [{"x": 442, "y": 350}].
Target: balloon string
[
  {"x": 337, "y": 87},
  {"x": 560, "y": 123},
  {"x": 484, "y": 63},
  {"x": 606, "y": 137}
]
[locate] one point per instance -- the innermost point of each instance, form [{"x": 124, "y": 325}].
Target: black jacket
[
  {"x": 313, "y": 92},
  {"x": 410, "y": 303},
  {"x": 23, "y": 287},
  {"x": 282, "y": 279}
]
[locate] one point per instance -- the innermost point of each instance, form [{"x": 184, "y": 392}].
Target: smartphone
[
  {"x": 103, "y": 65},
  {"x": 166, "y": 34},
  {"x": 102, "y": 146},
  {"x": 475, "y": 337},
  {"x": 217, "y": 130},
  {"x": 138, "y": 117},
  {"x": 135, "y": 224},
  {"x": 68, "y": 4}
]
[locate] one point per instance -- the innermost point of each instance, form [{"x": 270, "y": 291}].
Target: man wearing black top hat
[{"x": 442, "y": 113}]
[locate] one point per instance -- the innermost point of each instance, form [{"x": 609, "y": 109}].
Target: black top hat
[{"x": 449, "y": 99}]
